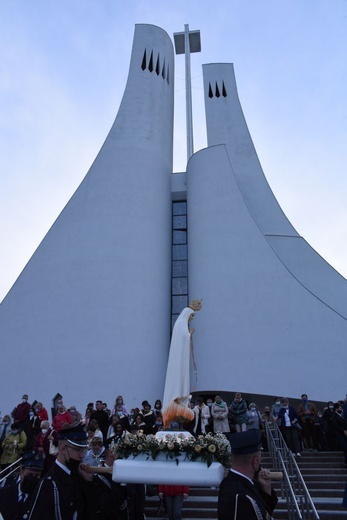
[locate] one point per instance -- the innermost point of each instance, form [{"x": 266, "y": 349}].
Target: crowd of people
[{"x": 72, "y": 439}]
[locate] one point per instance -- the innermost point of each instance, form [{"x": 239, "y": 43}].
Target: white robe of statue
[{"x": 177, "y": 383}]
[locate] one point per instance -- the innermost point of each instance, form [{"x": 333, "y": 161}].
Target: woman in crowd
[
  {"x": 87, "y": 416},
  {"x": 5, "y": 429},
  {"x": 158, "y": 425},
  {"x": 290, "y": 426},
  {"x": 157, "y": 406},
  {"x": 112, "y": 428},
  {"x": 119, "y": 406},
  {"x": 255, "y": 421},
  {"x": 41, "y": 412},
  {"x": 238, "y": 409},
  {"x": 62, "y": 417},
  {"x": 76, "y": 416},
  {"x": 219, "y": 412},
  {"x": 12, "y": 446},
  {"x": 139, "y": 424},
  {"x": 42, "y": 445}
]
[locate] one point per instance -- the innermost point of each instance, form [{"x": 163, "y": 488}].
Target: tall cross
[{"x": 185, "y": 43}]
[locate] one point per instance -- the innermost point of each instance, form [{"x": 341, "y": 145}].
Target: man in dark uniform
[
  {"x": 61, "y": 494},
  {"x": 246, "y": 493},
  {"x": 15, "y": 498}
]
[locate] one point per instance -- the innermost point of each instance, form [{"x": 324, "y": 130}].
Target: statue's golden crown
[{"x": 196, "y": 305}]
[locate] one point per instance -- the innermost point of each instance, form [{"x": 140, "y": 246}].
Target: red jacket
[
  {"x": 60, "y": 419},
  {"x": 21, "y": 413},
  {"x": 42, "y": 414},
  {"x": 173, "y": 491}
]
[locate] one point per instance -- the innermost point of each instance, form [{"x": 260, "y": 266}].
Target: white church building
[{"x": 90, "y": 316}]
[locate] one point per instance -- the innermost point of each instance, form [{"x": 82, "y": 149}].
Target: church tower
[{"x": 90, "y": 316}]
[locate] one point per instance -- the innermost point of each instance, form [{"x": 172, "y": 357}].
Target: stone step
[
  {"x": 320, "y": 463},
  {"x": 326, "y": 510},
  {"x": 316, "y": 477},
  {"x": 314, "y": 472},
  {"x": 324, "y": 476},
  {"x": 323, "y": 484},
  {"x": 199, "y": 512},
  {"x": 323, "y": 515}
]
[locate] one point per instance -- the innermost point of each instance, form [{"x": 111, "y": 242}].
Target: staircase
[{"x": 324, "y": 475}]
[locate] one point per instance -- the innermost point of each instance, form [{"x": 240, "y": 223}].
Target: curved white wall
[
  {"x": 226, "y": 125},
  {"x": 260, "y": 330},
  {"x": 90, "y": 314}
]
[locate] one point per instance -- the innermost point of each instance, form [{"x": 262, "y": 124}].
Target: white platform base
[{"x": 139, "y": 471}]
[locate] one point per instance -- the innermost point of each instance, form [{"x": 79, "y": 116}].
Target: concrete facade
[
  {"x": 89, "y": 316},
  {"x": 97, "y": 289},
  {"x": 275, "y": 313}
]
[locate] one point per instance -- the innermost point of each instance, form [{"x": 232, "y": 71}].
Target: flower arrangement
[{"x": 205, "y": 448}]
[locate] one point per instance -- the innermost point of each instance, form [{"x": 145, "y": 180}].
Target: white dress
[{"x": 177, "y": 383}]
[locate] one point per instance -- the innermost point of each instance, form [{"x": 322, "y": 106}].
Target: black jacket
[
  {"x": 10, "y": 507},
  {"x": 237, "y": 493},
  {"x": 59, "y": 491}
]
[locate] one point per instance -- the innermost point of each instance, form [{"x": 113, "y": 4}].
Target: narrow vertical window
[
  {"x": 150, "y": 65},
  {"x": 179, "y": 272},
  {"x": 144, "y": 61}
]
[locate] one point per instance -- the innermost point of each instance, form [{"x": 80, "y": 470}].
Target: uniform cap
[
  {"x": 74, "y": 435},
  {"x": 245, "y": 442},
  {"x": 32, "y": 461}
]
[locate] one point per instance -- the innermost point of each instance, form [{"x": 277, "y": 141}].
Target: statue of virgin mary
[{"x": 177, "y": 383}]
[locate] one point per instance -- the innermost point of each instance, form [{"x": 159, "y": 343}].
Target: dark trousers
[
  {"x": 342, "y": 443},
  {"x": 174, "y": 506},
  {"x": 291, "y": 436},
  {"x": 309, "y": 433}
]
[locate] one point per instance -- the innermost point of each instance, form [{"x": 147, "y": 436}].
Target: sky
[{"x": 63, "y": 70}]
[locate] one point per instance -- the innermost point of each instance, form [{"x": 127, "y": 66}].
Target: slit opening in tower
[
  {"x": 167, "y": 75},
  {"x": 150, "y": 65},
  {"x": 210, "y": 93},
  {"x": 144, "y": 61},
  {"x": 157, "y": 67},
  {"x": 224, "y": 91},
  {"x": 217, "y": 90},
  {"x": 163, "y": 71}
]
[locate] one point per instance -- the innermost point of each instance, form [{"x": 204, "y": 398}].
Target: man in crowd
[
  {"x": 101, "y": 418},
  {"x": 148, "y": 417},
  {"x": 246, "y": 493},
  {"x": 21, "y": 415},
  {"x": 340, "y": 429},
  {"x": 15, "y": 498},
  {"x": 307, "y": 414}
]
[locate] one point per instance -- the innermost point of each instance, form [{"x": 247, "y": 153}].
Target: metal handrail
[
  {"x": 293, "y": 487},
  {"x": 16, "y": 465}
]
